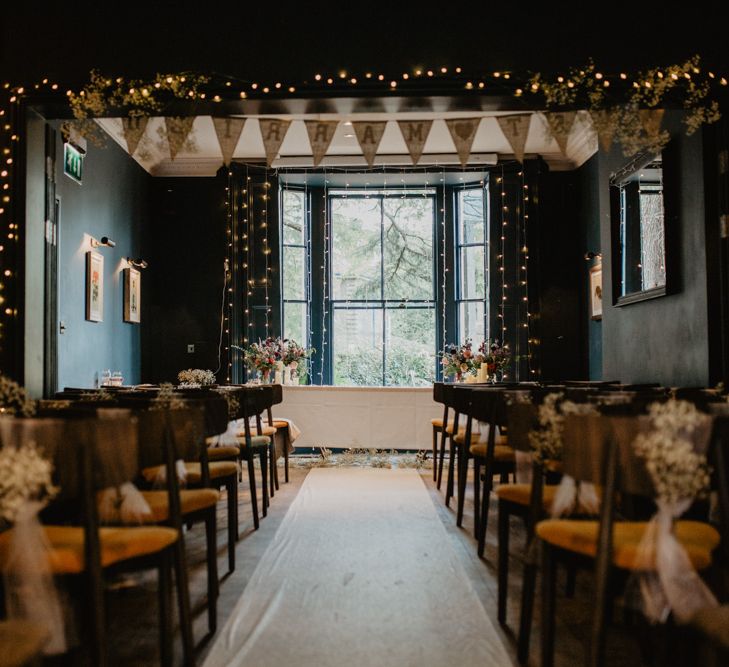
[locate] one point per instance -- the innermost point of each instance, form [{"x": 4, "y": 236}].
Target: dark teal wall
[{"x": 111, "y": 202}]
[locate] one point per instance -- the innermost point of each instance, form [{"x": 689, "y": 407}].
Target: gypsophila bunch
[
  {"x": 546, "y": 441},
  {"x": 677, "y": 471},
  {"x": 167, "y": 399},
  {"x": 24, "y": 476},
  {"x": 14, "y": 400},
  {"x": 196, "y": 377},
  {"x": 233, "y": 403}
]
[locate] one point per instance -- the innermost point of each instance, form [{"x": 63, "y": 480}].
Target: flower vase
[
  {"x": 266, "y": 376},
  {"x": 459, "y": 377}
]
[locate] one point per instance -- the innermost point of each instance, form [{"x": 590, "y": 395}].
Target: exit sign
[{"x": 73, "y": 162}]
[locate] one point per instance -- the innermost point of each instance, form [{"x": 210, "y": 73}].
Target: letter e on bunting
[
  {"x": 415, "y": 133},
  {"x": 228, "y": 131},
  {"x": 133, "y": 129},
  {"x": 463, "y": 132},
  {"x": 369, "y": 135},
  {"x": 178, "y": 129},
  {"x": 273, "y": 133},
  {"x": 321, "y": 133},
  {"x": 516, "y": 128},
  {"x": 559, "y": 125}
]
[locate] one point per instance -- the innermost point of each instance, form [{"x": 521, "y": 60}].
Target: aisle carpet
[{"x": 360, "y": 573}]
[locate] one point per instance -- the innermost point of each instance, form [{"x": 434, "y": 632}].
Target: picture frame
[
  {"x": 596, "y": 292},
  {"x": 94, "y": 286},
  {"x": 132, "y": 295}
]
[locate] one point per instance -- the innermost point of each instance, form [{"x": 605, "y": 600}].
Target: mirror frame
[{"x": 669, "y": 222}]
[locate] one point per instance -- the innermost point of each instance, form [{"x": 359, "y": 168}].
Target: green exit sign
[{"x": 73, "y": 162}]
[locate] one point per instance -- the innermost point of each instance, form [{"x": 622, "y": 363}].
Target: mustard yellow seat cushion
[
  {"x": 438, "y": 423},
  {"x": 191, "y": 500},
  {"x": 277, "y": 423},
  {"x": 117, "y": 544},
  {"x": 699, "y": 539},
  {"x": 265, "y": 430},
  {"x": 520, "y": 494},
  {"x": 224, "y": 452},
  {"x": 256, "y": 441},
  {"x": 502, "y": 453},
  {"x": 21, "y": 642},
  {"x": 217, "y": 469}
]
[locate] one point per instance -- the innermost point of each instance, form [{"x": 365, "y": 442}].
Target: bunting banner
[
  {"x": 415, "y": 133},
  {"x": 651, "y": 120},
  {"x": 321, "y": 133},
  {"x": 516, "y": 128},
  {"x": 605, "y": 122},
  {"x": 133, "y": 128},
  {"x": 228, "y": 131},
  {"x": 369, "y": 135},
  {"x": 273, "y": 133},
  {"x": 178, "y": 129},
  {"x": 463, "y": 132},
  {"x": 559, "y": 126}
]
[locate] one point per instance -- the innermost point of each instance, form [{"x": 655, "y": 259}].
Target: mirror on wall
[{"x": 639, "y": 230}]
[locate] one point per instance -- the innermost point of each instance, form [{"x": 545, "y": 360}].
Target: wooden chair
[{"x": 87, "y": 457}]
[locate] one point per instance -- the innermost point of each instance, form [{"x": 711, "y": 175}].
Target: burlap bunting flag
[
  {"x": 559, "y": 125},
  {"x": 228, "y": 131},
  {"x": 463, "y": 132},
  {"x": 369, "y": 135},
  {"x": 273, "y": 133},
  {"x": 605, "y": 122},
  {"x": 516, "y": 129},
  {"x": 178, "y": 129},
  {"x": 321, "y": 133},
  {"x": 415, "y": 133},
  {"x": 133, "y": 128}
]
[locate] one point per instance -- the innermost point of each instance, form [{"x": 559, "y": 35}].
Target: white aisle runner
[{"x": 360, "y": 573}]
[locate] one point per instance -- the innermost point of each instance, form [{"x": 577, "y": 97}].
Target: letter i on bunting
[
  {"x": 321, "y": 133},
  {"x": 369, "y": 135},
  {"x": 133, "y": 129},
  {"x": 463, "y": 132},
  {"x": 516, "y": 128},
  {"x": 273, "y": 133},
  {"x": 415, "y": 133},
  {"x": 178, "y": 129},
  {"x": 228, "y": 131}
]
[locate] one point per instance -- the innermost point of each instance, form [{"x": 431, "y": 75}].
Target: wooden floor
[{"x": 132, "y": 609}]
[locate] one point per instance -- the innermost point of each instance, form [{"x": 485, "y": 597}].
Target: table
[{"x": 361, "y": 417}]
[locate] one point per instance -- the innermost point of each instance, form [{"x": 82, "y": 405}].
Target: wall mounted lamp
[
  {"x": 137, "y": 263},
  {"x": 105, "y": 241}
]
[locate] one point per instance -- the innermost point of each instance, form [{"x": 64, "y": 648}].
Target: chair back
[
  {"x": 438, "y": 392},
  {"x": 521, "y": 419}
]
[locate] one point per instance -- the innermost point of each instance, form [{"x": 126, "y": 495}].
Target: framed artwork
[
  {"x": 596, "y": 292},
  {"x": 94, "y": 286},
  {"x": 132, "y": 295}
]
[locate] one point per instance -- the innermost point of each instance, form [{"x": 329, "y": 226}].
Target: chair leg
[
  {"x": 212, "y": 563},
  {"x": 274, "y": 469},
  {"x": 484, "y": 519},
  {"x": 183, "y": 603},
  {"x": 549, "y": 572},
  {"x": 254, "y": 489},
  {"x": 476, "y": 495},
  {"x": 503, "y": 566},
  {"x": 528, "y": 588},
  {"x": 286, "y": 462},
  {"x": 441, "y": 458},
  {"x": 264, "y": 479},
  {"x": 435, "y": 453},
  {"x": 451, "y": 473},
  {"x": 231, "y": 487},
  {"x": 164, "y": 591},
  {"x": 463, "y": 458}
]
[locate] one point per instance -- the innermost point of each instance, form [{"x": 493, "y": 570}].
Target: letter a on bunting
[
  {"x": 273, "y": 133},
  {"x": 369, "y": 135},
  {"x": 321, "y": 133}
]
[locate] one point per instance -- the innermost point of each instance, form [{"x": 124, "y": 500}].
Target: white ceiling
[{"x": 201, "y": 156}]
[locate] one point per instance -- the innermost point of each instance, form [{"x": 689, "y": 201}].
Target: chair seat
[
  {"x": 502, "y": 453},
  {"x": 699, "y": 539},
  {"x": 223, "y": 453},
  {"x": 256, "y": 441},
  {"x": 438, "y": 423},
  {"x": 713, "y": 623},
  {"x": 265, "y": 430},
  {"x": 193, "y": 471},
  {"x": 21, "y": 642},
  {"x": 520, "y": 494},
  {"x": 191, "y": 500},
  {"x": 66, "y": 554},
  {"x": 279, "y": 424}
]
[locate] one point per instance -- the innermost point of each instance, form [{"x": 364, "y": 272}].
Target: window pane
[
  {"x": 408, "y": 236},
  {"x": 294, "y": 216},
  {"x": 356, "y": 248},
  {"x": 294, "y": 273},
  {"x": 357, "y": 346},
  {"x": 409, "y": 355},
  {"x": 653, "y": 247},
  {"x": 295, "y": 322},
  {"x": 471, "y": 216},
  {"x": 472, "y": 284},
  {"x": 471, "y": 320}
]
